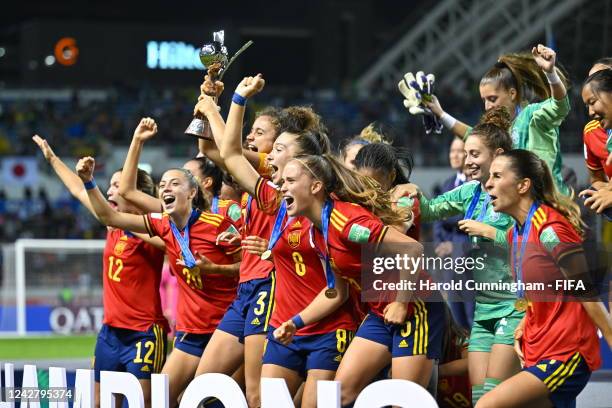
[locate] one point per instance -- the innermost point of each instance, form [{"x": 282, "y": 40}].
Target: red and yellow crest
[
  {"x": 294, "y": 239},
  {"x": 120, "y": 247}
]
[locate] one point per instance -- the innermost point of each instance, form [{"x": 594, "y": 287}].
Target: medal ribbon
[
  {"x": 325, "y": 215},
  {"x": 473, "y": 203},
  {"x": 517, "y": 261},
  {"x": 215, "y": 205},
  {"x": 248, "y": 210},
  {"x": 183, "y": 240},
  {"x": 278, "y": 229}
]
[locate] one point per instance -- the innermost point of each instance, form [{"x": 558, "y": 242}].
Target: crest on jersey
[
  {"x": 294, "y": 239},
  {"x": 120, "y": 247}
]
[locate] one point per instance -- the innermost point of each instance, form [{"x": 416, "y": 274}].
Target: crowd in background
[{"x": 78, "y": 128}]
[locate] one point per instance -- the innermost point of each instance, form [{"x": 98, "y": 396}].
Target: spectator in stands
[{"x": 448, "y": 238}]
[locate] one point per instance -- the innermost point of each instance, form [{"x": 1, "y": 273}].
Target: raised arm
[
  {"x": 231, "y": 147},
  {"x": 146, "y": 129},
  {"x": 72, "y": 181},
  {"x": 546, "y": 58},
  {"x": 216, "y": 127},
  {"x": 104, "y": 212},
  {"x": 458, "y": 128}
]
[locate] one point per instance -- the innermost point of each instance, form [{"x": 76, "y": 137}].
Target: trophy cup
[{"x": 214, "y": 58}]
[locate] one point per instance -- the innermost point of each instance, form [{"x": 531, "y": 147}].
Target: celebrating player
[
  {"x": 491, "y": 355},
  {"x": 204, "y": 291},
  {"x": 535, "y": 126},
  {"x": 595, "y": 140},
  {"x": 133, "y": 337},
  {"x": 351, "y": 147},
  {"x": 416, "y": 343},
  {"x": 343, "y": 223},
  {"x": 557, "y": 338},
  {"x": 597, "y": 96},
  {"x": 315, "y": 353}
]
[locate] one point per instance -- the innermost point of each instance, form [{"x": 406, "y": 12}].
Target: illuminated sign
[{"x": 172, "y": 55}]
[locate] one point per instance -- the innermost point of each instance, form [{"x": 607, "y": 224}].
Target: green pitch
[{"x": 64, "y": 347}]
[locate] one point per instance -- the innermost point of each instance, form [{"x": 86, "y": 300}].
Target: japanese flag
[{"x": 22, "y": 171}]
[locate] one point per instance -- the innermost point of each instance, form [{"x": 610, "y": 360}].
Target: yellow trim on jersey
[
  {"x": 260, "y": 181},
  {"x": 335, "y": 216},
  {"x": 340, "y": 216},
  {"x": 212, "y": 219},
  {"x": 381, "y": 237},
  {"x": 594, "y": 124},
  {"x": 562, "y": 373},
  {"x": 148, "y": 226},
  {"x": 569, "y": 252},
  {"x": 335, "y": 224},
  {"x": 271, "y": 301},
  {"x": 212, "y": 216}
]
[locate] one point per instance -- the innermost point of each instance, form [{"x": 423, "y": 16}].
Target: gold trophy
[{"x": 214, "y": 58}]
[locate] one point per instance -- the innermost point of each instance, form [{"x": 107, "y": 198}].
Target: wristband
[
  {"x": 239, "y": 99},
  {"x": 553, "y": 77},
  {"x": 297, "y": 320},
  {"x": 447, "y": 120},
  {"x": 90, "y": 185}
]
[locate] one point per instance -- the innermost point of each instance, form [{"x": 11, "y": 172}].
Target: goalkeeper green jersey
[
  {"x": 536, "y": 128},
  {"x": 470, "y": 198}
]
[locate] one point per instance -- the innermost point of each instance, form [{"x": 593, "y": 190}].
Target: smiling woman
[{"x": 206, "y": 285}]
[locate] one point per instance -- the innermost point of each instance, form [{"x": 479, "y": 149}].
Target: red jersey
[
  {"x": 350, "y": 227},
  {"x": 553, "y": 330},
  {"x": 595, "y": 140},
  {"x": 454, "y": 391},
  {"x": 132, "y": 270},
  {"x": 230, "y": 209},
  {"x": 255, "y": 221},
  {"x": 300, "y": 275},
  {"x": 203, "y": 299}
]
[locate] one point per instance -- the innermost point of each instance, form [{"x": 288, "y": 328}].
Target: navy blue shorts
[
  {"x": 420, "y": 335},
  {"x": 310, "y": 352},
  {"x": 135, "y": 352},
  {"x": 564, "y": 380},
  {"x": 250, "y": 312},
  {"x": 191, "y": 343}
]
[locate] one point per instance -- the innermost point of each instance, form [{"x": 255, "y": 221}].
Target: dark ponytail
[
  {"x": 347, "y": 185},
  {"x": 385, "y": 157},
  {"x": 600, "y": 81},
  {"x": 521, "y": 72},
  {"x": 210, "y": 169},
  {"x": 526, "y": 164}
]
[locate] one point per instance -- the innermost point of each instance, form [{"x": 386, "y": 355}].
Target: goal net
[{"x": 51, "y": 286}]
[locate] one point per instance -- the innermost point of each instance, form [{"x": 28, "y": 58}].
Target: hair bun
[
  {"x": 498, "y": 116},
  {"x": 300, "y": 118}
]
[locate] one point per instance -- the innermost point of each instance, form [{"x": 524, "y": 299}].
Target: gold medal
[
  {"x": 331, "y": 293},
  {"x": 266, "y": 255},
  {"x": 521, "y": 304}
]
